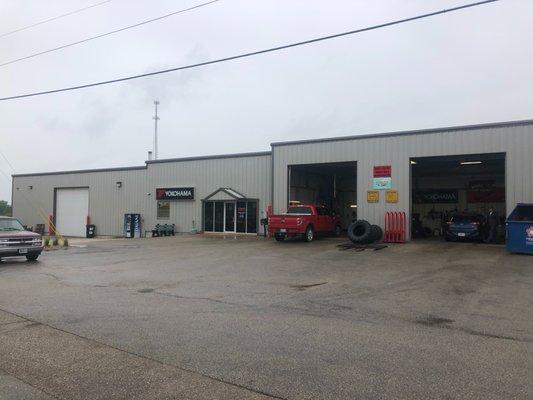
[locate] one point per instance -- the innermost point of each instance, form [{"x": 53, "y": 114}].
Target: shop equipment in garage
[
  {"x": 395, "y": 227},
  {"x": 520, "y": 229}
]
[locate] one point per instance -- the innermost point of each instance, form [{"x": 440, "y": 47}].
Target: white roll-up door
[{"x": 72, "y": 208}]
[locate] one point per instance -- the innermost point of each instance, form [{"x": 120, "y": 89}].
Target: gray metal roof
[
  {"x": 411, "y": 132},
  {"x": 167, "y": 160},
  {"x": 81, "y": 171},
  {"x": 213, "y": 157}
]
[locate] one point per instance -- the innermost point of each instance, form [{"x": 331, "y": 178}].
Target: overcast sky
[{"x": 472, "y": 66}]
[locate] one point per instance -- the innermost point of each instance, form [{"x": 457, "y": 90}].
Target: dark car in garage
[{"x": 464, "y": 227}]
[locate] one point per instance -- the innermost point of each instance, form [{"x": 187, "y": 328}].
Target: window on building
[
  {"x": 208, "y": 216},
  {"x": 230, "y": 216},
  {"x": 251, "y": 217},
  {"x": 163, "y": 210},
  {"x": 241, "y": 216}
]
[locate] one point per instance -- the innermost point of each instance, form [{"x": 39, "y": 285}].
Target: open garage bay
[{"x": 212, "y": 318}]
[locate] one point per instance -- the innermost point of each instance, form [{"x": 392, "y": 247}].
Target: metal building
[
  {"x": 422, "y": 173},
  {"x": 111, "y": 193}
]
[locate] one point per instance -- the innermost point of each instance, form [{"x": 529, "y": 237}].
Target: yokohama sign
[
  {"x": 435, "y": 196},
  {"x": 175, "y": 193}
]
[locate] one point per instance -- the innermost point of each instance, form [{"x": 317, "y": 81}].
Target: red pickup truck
[{"x": 303, "y": 220}]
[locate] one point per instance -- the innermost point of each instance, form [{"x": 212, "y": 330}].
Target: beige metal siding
[
  {"x": 249, "y": 176},
  {"x": 107, "y": 203},
  {"x": 516, "y": 141}
]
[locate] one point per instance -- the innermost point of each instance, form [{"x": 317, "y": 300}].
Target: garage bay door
[{"x": 72, "y": 208}]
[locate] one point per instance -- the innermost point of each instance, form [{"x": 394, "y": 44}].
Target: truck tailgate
[{"x": 284, "y": 221}]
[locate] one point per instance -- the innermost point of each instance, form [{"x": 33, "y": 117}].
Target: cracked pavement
[{"x": 210, "y": 318}]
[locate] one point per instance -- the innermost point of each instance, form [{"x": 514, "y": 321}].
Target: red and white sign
[{"x": 382, "y": 171}]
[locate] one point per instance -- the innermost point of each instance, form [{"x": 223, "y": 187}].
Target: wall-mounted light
[
  {"x": 471, "y": 162},
  {"x": 413, "y": 162},
  {"x": 353, "y": 206},
  {"x": 148, "y": 194},
  {"x": 119, "y": 184}
]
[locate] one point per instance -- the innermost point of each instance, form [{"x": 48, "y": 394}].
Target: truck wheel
[
  {"x": 309, "y": 234},
  {"x": 337, "y": 231},
  {"x": 377, "y": 233},
  {"x": 279, "y": 238},
  {"x": 360, "y": 232},
  {"x": 32, "y": 257}
]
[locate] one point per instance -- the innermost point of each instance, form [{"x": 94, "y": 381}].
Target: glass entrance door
[
  {"x": 219, "y": 216},
  {"x": 229, "y": 217}
]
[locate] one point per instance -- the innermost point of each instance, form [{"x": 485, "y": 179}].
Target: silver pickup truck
[{"x": 15, "y": 241}]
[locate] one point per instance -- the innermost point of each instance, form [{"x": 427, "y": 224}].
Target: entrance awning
[{"x": 225, "y": 194}]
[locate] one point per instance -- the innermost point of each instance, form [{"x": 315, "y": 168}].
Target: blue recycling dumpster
[{"x": 520, "y": 229}]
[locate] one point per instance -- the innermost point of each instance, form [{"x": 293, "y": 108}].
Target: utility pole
[{"x": 156, "y": 118}]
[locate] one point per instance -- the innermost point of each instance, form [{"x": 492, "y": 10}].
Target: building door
[
  {"x": 72, "y": 208},
  {"x": 229, "y": 216},
  {"x": 219, "y": 216}
]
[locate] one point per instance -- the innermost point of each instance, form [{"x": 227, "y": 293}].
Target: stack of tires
[{"x": 362, "y": 232}]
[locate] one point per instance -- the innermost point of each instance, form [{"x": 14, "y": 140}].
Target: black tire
[
  {"x": 377, "y": 233},
  {"x": 360, "y": 231},
  {"x": 309, "y": 234},
  {"x": 337, "y": 231},
  {"x": 32, "y": 257},
  {"x": 279, "y": 238}
]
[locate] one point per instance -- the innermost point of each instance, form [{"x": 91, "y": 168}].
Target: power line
[
  {"x": 40, "y": 211},
  {"x": 106, "y": 34},
  {"x": 7, "y": 161},
  {"x": 254, "y": 53},
  {"x": 53, "y": 18}
]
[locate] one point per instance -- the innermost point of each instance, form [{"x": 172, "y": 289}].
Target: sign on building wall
[
  {"x": 382, "y": 171},
  {"x": 186, "y": 193},
  {"x": 382, "y": 183},
  {"x": 435, "y": 196},
  {"x": 372, "y": 196},
  {"x": 496, "y": 195},
  {"x": 391, "y": 196}
]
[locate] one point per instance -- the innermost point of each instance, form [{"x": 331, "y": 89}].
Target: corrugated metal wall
[
  {"x": 249, "y": 175},
  {"x": 107, "y": 203},
  {"x": 516, "y": 141}
]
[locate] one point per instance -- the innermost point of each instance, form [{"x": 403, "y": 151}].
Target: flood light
[{"x": 470, "y": 162}]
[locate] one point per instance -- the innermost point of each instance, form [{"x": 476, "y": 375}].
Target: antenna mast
[{"x": 156, "y": 118}]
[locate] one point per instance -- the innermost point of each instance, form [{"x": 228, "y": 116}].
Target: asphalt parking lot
[{"x": 206, "y": 318}]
